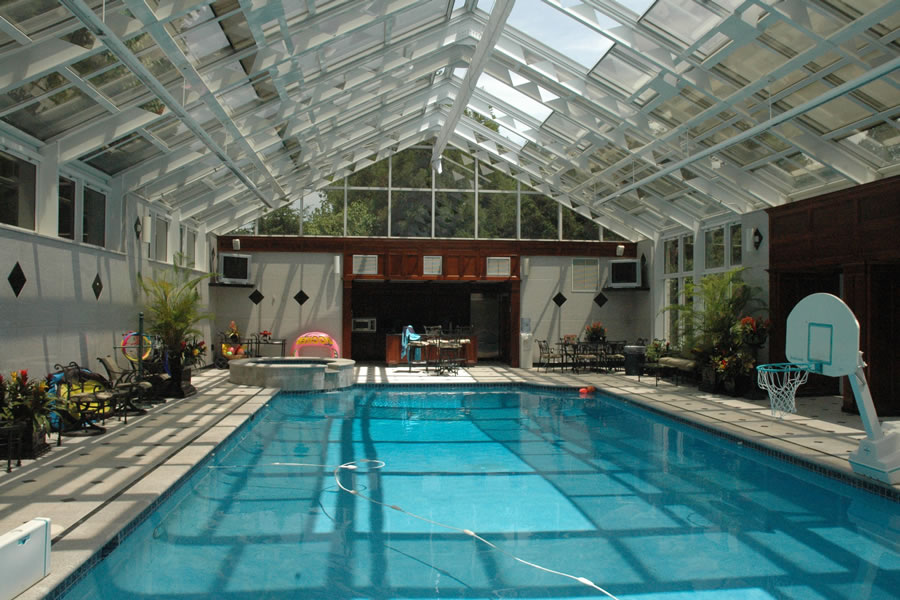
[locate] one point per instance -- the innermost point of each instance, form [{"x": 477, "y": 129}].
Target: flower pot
[
  {"x": 710, "y": 380},
  {"x": 736, "y": 386},
  {"x": 34, "y": 443}
]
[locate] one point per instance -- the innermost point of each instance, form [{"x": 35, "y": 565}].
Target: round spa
[{"x": 293, "y": 373}]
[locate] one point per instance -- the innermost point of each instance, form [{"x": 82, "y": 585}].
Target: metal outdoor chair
[{"x": 548, "y": 357}]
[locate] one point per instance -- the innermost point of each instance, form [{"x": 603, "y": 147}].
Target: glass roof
[{"x": 648, "y": 115}]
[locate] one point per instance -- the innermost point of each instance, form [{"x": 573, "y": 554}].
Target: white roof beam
[
  {"x": 115, "y": 45},
  {"x": 832, "y": 93},
  {"x": 483, "y": 50},
  {"x": 829, "y": 153},
  {"x": 192, "y": 77}
]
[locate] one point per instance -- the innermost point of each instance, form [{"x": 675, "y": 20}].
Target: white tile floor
[{"x": 92, "y": 487}]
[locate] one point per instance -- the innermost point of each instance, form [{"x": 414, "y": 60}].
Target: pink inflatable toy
[{"x": 317, "y": 340}]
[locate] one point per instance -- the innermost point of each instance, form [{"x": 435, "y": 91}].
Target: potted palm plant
[
  {"x": 173, "y": 307},
  {"x": 718, "y": 302}
]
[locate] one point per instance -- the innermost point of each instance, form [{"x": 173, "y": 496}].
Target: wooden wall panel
[{"x": 849, "y": 240}]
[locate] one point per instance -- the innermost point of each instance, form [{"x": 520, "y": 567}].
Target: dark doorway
[{"x": 394, "y": 305}]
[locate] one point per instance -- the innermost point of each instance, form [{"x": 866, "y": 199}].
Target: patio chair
[
  {"x": 548, "y": 357},
  {"x": 83, "y": 400},
  {"x": 128, "y": 388},
  {"x": 152, "y": 383},
  {"x": 587, "y": 356}
]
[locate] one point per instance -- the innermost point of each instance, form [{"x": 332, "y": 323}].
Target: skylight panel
[
  {"x": 684, "y": 19},
  {"x": 513, "y": 97},
  {"x": 559, "y": 32}
]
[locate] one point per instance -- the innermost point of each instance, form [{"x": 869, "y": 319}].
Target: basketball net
[{"x": 781, "y": 381}]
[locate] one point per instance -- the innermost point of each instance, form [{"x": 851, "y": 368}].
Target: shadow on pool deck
[{"x": 92, "y": 487}]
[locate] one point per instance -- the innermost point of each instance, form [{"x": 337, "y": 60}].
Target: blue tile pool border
[{"x": 871, "y": 486}]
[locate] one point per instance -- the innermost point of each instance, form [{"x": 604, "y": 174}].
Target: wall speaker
[
  {"x": 236, "y": 244},
  {"x": 620, "y": 250}
]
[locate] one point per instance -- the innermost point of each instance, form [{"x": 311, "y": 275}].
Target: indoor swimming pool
[{"x": 491, "y": 492}]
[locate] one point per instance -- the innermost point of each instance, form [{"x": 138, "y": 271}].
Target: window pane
[
  {"x": 672, "y": 298},
  {"x": 324, "y": 214},
  {"x": 458, "y": 171},
  {"x": 454, "y": 214},
  {"x": 94, "y": 218},
  {"x": 490, "y": 178},
  {"x": 688, "y": 242},
  {"x": 611, "y": 236},
  {"x": 161, "y": 237},
  {"x": 372, "y": 176},
  {"x": 282, "y": 221},
  {"x": 670, "y": 249},
  {"x": 736, "y": 245},
  {"x": 66, "y": 227},
  {"x": 411, "y": 214},
  {"x": 188, "y": 247},
  {"x": 577, "y": 227},
  {"x": 497, "y": 216},
  {"x": 17, "y": 191},
  {"x": 367, "y": 212},
  {"x": 411, "y": 168},
  {"x": 539, "y": 217},
  {"x": 715, "y": 248}
]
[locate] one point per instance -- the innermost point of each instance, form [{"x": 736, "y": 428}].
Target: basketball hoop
[{"x": 781, "y": 380}]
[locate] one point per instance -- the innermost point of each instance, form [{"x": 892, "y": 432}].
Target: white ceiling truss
[{"x": 644, "y": 116}]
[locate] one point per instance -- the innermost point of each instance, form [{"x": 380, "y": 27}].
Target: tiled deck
[{"x": 92, "y": 487}]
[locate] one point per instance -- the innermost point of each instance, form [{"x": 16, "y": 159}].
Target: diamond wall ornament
[
  {"x": 600, "y": 299},
  {"x": 17, "y": 279},
  {"x": 97, "y": 286},
  {"x": 137, "y": 227},
  {"x": 256, "y": 297},
  {"x": 559, "y": 299},
  {"x": 301, "y": 297}
]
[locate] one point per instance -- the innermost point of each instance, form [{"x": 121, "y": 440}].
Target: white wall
[
  {"x": 279, "y": 276},
  {"x": 56, "y": 318},
  {"x": 626, "y": 314}
]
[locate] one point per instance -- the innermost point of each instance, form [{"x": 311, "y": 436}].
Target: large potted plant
[
  {"x": 174, "y": 307},
  {"x": 718, "y": 302}
]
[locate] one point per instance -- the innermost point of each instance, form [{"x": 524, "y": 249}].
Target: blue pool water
[{"x": 477, "y": 484}]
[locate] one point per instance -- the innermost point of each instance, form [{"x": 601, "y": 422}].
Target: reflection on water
[{"x": 499, "y": 493}]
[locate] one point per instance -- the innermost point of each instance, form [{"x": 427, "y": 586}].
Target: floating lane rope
[{"x": 378, "y": 464}]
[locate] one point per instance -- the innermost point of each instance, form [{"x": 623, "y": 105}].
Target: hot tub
[{"x": 293, "y": 373}]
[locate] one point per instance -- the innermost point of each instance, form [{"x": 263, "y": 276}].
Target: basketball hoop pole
[
  {"x": 864, "y": 401},
  {"x": 878, "y": 456}
]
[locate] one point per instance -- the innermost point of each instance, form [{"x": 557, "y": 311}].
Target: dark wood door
[
  {"x": 787, "y": 288},
  {"x": 881, "y": 353}
]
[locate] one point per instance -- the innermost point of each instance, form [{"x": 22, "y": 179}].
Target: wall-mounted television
[
  {"x": 624, "y": 273},
  {"x": 234, "y": 268}
]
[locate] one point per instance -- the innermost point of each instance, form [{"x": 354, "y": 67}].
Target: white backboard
[{"x": 824, "y": 332}]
